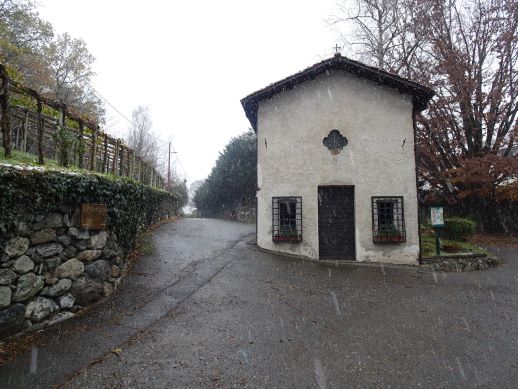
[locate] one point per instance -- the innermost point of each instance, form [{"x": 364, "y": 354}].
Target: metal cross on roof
[{"x": 337, "y": 49}]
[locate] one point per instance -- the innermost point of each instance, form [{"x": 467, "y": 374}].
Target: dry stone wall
[
  {"x": 52, "y": 268},
  {"x": 49, "y": 266}
]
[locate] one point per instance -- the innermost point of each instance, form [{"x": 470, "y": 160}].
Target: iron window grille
[
  {"x": 287, "y": 219},
  {"x": 388, "y": 219}
]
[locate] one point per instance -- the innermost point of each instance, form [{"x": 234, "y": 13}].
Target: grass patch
[
  {"x": 428, "y": 246},
  {"x": 26, "y": 159}
]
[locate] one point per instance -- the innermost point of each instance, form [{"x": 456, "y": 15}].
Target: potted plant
[
  {"x": 389, "y": 234},
  {"x": 287, "y": 234}
]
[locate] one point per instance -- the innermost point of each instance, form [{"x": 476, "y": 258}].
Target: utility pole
[{"x": 169, "y": 166}]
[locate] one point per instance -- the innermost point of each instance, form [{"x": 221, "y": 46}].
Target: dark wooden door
[{"x": 336, "y": 222}]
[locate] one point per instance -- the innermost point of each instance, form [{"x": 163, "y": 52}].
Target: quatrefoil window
[{"x": 335, "y": 141}]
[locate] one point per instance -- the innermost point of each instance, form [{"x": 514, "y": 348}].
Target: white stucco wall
[{"x": 378, "y": 160}]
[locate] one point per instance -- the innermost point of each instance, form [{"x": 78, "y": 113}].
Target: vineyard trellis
[{"x": 35, "y": 124}]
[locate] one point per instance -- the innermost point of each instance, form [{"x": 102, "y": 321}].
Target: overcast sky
[{"x": 192, "y": 61}]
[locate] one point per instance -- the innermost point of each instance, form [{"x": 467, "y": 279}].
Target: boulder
[
  {"x": 23, "y": 265},
  {"x": 52, "y": 262},
  {"x": 86, "y": 291},
  {"x": 60, "y": 288},
  {"x": 100, "y": 269},
  {"x": 12, "y": 320},
  {"x": 98, "y": 241},
  {"x": 16, "y": 247},
  {"x": 88, "y": 255},
  {"x": 7, "y": 276},
  {"x": 49, "y": 249},
  {"x": 70, "y": 269},
  {"x": 77, "y": 233},
  {"x": 54, "y": 220},
  {"x": 5, "y": 296},
  {"x": 43, "y": 236},
  {"x": 28, "y": 285},
  {"x": 66, "y": 301},
  {"x": 43, "y": 308}
]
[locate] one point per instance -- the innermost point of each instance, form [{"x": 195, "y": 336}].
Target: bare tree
[
  {"x": 384, "y": 32},
  {"x": 468, "y": 53},
  {"x": 142, "y": 139}
]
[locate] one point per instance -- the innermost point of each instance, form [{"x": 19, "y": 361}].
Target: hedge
[
  {"x": 25, "y": 192},
  {"x": 458, "y": 228}
]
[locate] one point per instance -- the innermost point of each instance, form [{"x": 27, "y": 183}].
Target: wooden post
[
  {"x": 131, "y": 162},
  {"x": 4, "y": 107},
  {"x": 17, "y": 138},
  {"x": 104, "y": 168},
  {"x": 92, "y": 148},
  {"x": 115, "y": 157},
  {"x": 25, "y": 130},
  {"x": 121, "y": 160},
  {"x": 81, "y": 144},
  {"x": 63, "y": 152},
  {"x": 41, "y": 129}
]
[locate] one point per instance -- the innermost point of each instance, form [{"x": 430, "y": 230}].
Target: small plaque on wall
[{"x": 93, "y": 216}]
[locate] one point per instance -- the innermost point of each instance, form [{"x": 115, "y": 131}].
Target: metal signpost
[{"x": 437, "y": 217}]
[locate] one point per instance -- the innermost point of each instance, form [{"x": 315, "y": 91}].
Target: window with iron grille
[
  {"x": 388, "y": 219},
  {"x": 287, "y": 219}
]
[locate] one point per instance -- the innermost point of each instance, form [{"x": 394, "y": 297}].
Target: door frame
[{"x": 354, "y": 259}]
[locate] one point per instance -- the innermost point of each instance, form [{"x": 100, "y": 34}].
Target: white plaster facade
[{"x": 378, "y": 159}]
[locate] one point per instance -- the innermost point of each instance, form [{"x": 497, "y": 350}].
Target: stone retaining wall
[
  {"x": 51, "y": 269},
  {"x": 460, "y": 263}
]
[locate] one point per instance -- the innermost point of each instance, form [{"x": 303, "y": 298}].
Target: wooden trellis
[{"x": 84, "y": 145}]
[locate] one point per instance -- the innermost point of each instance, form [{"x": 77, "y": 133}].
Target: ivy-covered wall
[
  {"x": 49, "y": 267},
  {"x": 131, "y": 205}
]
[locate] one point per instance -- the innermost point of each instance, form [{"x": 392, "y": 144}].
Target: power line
[{"x": 132, "y": 123}]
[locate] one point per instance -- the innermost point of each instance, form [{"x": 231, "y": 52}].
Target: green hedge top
[{"x": 30, "y": 191}]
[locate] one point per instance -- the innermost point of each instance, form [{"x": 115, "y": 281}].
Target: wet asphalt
[{"x": 209, "y": 310}]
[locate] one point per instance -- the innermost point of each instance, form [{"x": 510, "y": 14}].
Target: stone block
[
  {"x": 78, "y": 233},
  {"x": 43, "y": 236},
  {"x": 16, "y": 247},
  {"x": 28, "y": 285},
  {"x": 23, "y": 265},
  {"x": 49, "y": 249},
  {"x": 98, "y": 241},
  {"x": 43, "y": 308},
  {"x": 12, "y": 320},
  {"x": 88, "y": 255},
  {"x": 54, "y": 220},
  {"x": 86, "y": 291},
  {"x": 70, "y": 269},
  {"x": 7, "y": 276},
  {"x": 100, "y": 269},
  {"x": 5, "y": 296}
]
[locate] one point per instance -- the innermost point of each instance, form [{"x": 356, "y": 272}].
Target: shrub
[
  {"x": 131, "y": 205},
  {"x": 457, "y": 228}
]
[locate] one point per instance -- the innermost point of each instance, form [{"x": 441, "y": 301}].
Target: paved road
[{"x": 210, "y": 310}]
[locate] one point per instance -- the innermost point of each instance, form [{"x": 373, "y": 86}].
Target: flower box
[
  {"x": 292, "y": 239},
  {"x": 389, "y": 239}
]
